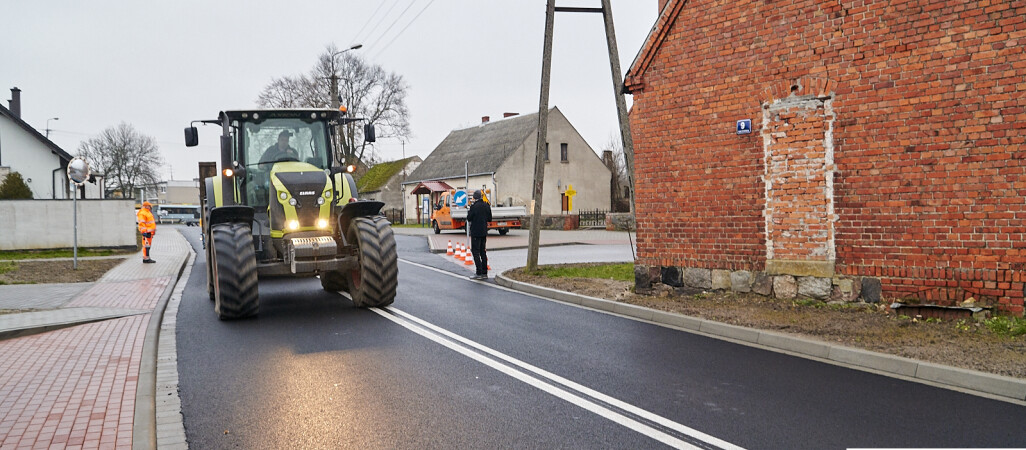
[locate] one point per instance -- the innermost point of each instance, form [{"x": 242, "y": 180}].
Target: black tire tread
[
  {"x": 334, "y": 281},
  {"x": 236, "y": 271},
  {"x": 379, "y": 265}
]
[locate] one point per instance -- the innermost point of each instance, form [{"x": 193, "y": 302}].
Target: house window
[
  {"x": 163, "y": 189},
  {"x": 563, "y": 154},
  {"x": 546, "y": 152}
]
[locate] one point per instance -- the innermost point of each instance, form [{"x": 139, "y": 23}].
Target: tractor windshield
[{"x": 278, "y": 140}]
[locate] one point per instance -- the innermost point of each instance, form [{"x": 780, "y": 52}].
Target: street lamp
[{"x": 48, "y": 126}]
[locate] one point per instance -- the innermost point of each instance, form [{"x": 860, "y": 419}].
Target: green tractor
[{"x": 282, "y": 205}]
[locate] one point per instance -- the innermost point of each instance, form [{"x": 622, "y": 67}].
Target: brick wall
[{"x": 926, "y": 104}]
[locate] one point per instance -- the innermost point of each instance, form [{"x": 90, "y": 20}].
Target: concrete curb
[
  {"x": 144, "y": 425},
  {"x": 970, "y": 381}
]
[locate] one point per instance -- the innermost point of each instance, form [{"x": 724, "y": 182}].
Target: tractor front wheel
[
  {"x": 235, "y": 271},
  {"x": 334, "y": 281},
  {"x": 374, "y": 283}
]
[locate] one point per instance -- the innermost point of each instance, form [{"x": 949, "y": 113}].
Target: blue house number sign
[{"x": 744, "y": 126}]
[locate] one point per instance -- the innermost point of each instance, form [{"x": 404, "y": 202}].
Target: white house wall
[
  {"x": 583, "y": 170},
  {"x": 24, "y": 154}
]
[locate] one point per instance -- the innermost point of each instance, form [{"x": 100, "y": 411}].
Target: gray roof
[{"x": 485, "y": 146}]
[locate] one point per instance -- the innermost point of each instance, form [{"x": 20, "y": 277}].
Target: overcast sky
[{"x": 159, "y": 65}]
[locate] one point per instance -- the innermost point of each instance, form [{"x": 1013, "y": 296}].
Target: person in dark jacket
[{"x": 478, "y": 217}]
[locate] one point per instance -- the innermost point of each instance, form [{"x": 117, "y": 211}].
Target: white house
[
  {"x": 40, "y": 162},
  {"x": 498, "y": 156}
]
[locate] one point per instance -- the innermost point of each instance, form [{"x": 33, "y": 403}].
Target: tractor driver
[{"x": 280, "y": 151}]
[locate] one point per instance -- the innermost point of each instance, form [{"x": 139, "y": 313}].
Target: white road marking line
[
  {"x": 390, "y": 314},
  {"x": 647, "y": 415}
]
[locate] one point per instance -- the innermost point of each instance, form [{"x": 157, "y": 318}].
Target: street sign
[
  {"x": 460, "y": 198},
  {"x": 744, "y": 126}
]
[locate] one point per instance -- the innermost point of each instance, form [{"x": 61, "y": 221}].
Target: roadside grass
[
  {"x": 620, "y": 272},
  {"x": 1006, "y": 325},
  {"x": 7, "y": 266},
  {"x": 15, "y": 255}
]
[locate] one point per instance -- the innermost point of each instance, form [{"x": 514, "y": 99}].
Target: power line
[
  {"x": 394, "y": 3},
  {"x": 397, "y": 19},
  {"x": 356, "y": 38},
  {"x": 379, "y": 52}
]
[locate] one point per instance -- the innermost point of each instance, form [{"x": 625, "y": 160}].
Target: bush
[{"x": 15, "y": 188}]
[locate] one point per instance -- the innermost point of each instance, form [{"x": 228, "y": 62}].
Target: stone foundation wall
[
  {"x": 620, "y": 222},
  {"x": 690, "y": 280}
]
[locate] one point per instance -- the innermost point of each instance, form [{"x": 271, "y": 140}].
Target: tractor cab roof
[{"x": 305, "y": 114}]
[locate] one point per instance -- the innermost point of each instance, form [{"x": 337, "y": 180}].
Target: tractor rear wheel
[
  {"x": 235, "y": 271},
  {"x": 374, "y": 283},
  {"x": 334, "y": 281}
]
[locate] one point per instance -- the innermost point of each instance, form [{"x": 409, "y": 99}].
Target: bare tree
[
  {"x": 128, "y": 159},
  {"x": 366, "y": 90},
  {"x": 620, "y": 185}
]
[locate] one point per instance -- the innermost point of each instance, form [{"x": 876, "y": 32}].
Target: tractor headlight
[
  {"x": 283, "y": 195},
  {"x": 292, "y": 201},
  {"x": 322, "y": 223},
  {"x": 320, "y": 201},
  {"x": 293, "y": 225}
]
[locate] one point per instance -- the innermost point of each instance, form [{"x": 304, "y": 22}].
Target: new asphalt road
[{"x": 461, "y": 364}]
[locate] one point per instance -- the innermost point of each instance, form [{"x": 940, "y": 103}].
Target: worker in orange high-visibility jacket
[{"x": 148, "y": 228}]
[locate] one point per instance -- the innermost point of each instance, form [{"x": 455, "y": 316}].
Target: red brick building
[{"x": 886, "y": 150}]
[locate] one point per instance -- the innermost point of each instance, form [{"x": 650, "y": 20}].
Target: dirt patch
[
  {"x": 58, "y": 271},
  {"x": 965, "y": 344}
]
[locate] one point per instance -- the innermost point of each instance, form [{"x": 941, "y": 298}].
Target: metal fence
[
  {"x": 593, "y": 218},
  {"x": 395, "y": 216}
]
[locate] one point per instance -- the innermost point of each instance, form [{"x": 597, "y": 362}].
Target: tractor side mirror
[
  {"x": 368, "y": 132},
  {"x": 191, "y": 137}
]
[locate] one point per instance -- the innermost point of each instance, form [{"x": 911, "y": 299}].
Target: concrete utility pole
[
  {"x": 539, "y": 154},
  {"x": 543, "y": 115},
  {"x": 621, "y": 103}
]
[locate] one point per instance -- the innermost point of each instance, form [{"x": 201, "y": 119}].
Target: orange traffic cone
[
  {"x": 470, "y": 259},
  {"x": 459, "y": 251},
  {"x": 448, "y": 249}
]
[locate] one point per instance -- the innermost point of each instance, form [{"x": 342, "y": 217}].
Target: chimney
[
  {"x": 485, "y": 119},
  {"x": 505, "y": 115},
  {"x": 15, "y": 102},
  {"x": 607, "y": 158}
]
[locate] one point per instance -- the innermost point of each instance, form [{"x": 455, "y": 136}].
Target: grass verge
[
  {"x": 16, "y": 255},
  {"x": 620, "y": 272}
]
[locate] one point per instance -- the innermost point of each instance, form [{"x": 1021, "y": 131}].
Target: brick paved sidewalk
[{"x": 76, "y": 387}]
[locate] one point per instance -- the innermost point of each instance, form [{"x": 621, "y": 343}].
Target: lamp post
[
  {"x": 48, "y": 125},
  {"x": 335, "y": 102}
]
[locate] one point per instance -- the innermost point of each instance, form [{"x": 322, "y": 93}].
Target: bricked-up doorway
[{"x": 798, "y": 148}]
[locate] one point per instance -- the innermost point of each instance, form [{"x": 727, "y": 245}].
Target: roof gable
[
  {"x": 484, "y": 147},
  {"x": 635, "y": 79},
  {"x": 35, "y": 134}
]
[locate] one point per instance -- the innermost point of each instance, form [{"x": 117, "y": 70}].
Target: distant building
[
  {"x": 499, "y": 157},
  {"x": 383, "y": 182},
  {"x": 42, "y": 164}
]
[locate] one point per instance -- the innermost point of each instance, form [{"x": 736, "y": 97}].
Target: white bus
[{"x": 187, "y": 214}]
